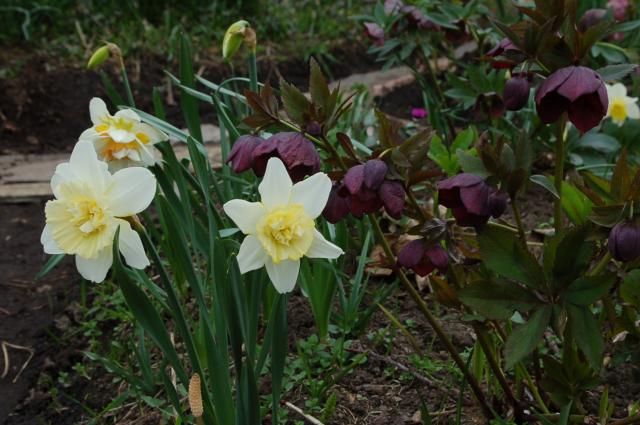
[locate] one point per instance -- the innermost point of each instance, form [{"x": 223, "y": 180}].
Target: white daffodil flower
[
  {"x": 121, "y": 140},
  {"x": 89, "y": 206},
  {"x": 621, "y": 106},
  {"x": 280, "y": 229}
]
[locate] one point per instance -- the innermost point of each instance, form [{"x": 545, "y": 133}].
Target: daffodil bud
[
  {"x": 98, "y": 57},
  {"x": 236, "y": 34}
]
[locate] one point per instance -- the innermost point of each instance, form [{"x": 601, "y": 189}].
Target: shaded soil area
[{"x": 44, "y": 107}]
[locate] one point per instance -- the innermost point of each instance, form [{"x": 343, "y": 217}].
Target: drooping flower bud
[
  {"x": 98, "y": 57},
  {"x": 423, "y": 259},
  {"x": 337, "y": 206},
  {"x": 577, "y": 90},
  {"x": 296, "y": 152},
  {"x": 516, "y": 93},
  {"x": 590, "y": 18},
  {"x": 374, "y": 173},
  {"x": 374, "y": 32},
  {"x": 624, "y": 241},
  {"x": 505, "y": 55},
  {"x": 241, "y": 155},
  {"x": 471, "y": 199},
  {"x": 392, "y": 195},
  {"x": 237, "y": 33}
]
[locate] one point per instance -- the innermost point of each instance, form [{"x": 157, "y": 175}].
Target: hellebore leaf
[
  {"x": 616, "y": 72},
  {"x": 587, "y": 334},
  {"x": 567, "y": 255},
  {"x": 621, "y": 178},
  {"x": 497, "y": 299},
  {"x": 319, "y": 88},
  {"x": 576, "y": 204},
  {"x": 630, "y": 288},
  {"x": 295, "y": 103},
  {"x": 545, "y": 182},
  {"x": 589, "y": 289},
  {"x": 503, "y": 253},
  {"x": 525, "y": 338}
]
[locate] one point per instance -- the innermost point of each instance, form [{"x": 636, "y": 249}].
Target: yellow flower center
[
  {"x": 119, "y": 123},
  {"x": 286, "y": 232},
  {"x": 618, "y": 110},
  {"x": 80, "y": 224}
]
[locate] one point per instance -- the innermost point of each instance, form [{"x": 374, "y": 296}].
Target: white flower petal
[
  {"x": 50, "y": 245},
  {"x": 633, "y": 111},
  {"x": 95, "y": 269},
  {"x": 128, "y": 114},
  {"x": 63, "y": 173},
  {"x": 275, "y": 188},
  {"x": 98, "y": 110},
  {"x": 153, "y": 133},
  {"x": 244, "y": 214},
  {"x": 251, "y": 255},
  {"x": 131, "y": 191},
  {"x": 131, "y": 246},
  {"x": 312, "y": 193},
  {"x": 84, "y": 165},
  {"x": 322, "y": 248},
  {"x": 283, "y": 275},
  {"x": 146, "y": 155},
  {"x": 90, "y": 134},
  {"x": 616, "y": 90},
  {"x": 121, "y": 136}
]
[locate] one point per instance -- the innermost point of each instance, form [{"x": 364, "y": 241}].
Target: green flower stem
[
  {"x": 414, "y": 202},
  {"x": 253, "y": 71},
  {"x": 559, "y": 175},
  {"x": 518, "y": 217},
  {"x": 602, "y": 264},
  {"x": 433, "y": 322},
  {"x": 533, "y": 388}
]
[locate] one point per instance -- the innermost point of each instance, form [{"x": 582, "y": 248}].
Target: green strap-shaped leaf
[{"x": 525, "y": 338}]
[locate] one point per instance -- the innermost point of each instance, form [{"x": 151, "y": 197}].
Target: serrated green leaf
[
  {"x": 589, "y": 289},
  {"x": 576, "y": 204},
  {"x": 497, "y": 299},
  {"x": 295, "y": 103},
  {"x": 586, "y": 333},
  {"x": 525, "y": 338},
  {"x": 616, "y": 72}
]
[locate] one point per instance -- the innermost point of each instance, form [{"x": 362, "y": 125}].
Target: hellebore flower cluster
[
  {"x": 296, "y": 152},
  {"x": 624, "y": 241},
  {"x": 505, "y": 55},
  {"x": 121, "y": 140},
  {"x": 365, "y": 189},
  {"x": 422, "y": 258},
  {"x": 577, "y": 90},
  {"x": 471, "y": 199},
  {"x": 280, "y": 228},
  {"x": 621, "y": 106},
  {"x": 90, "y": 205}
]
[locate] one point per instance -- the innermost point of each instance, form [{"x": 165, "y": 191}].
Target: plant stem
[
  {"x": 412, "y": 199},
  {"x": 602, "y": 264},
  {"x": 433, "y": 322},
  {"x": 559, "y": 175},
  {"x": 635, "y": 419},
  {"x": 518, "y": 217}
]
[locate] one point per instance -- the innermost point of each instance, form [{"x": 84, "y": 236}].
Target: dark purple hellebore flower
[
  {"x": 471, "y": 199},
  {"x": 423, "y": 259},
  {"x": 516, "y": 92},
  {"x": 374, "y": 32},
  {"x": 510, "y": 54},
  {"x": 577, "y": 90},
  {"x": 392, "y": 195},
  {"x": 624, "y": 241},
  {"x": 297, "y": 153},
  {"x": 590, "y": 18},
  {"x": 392, "y": 6},
  {"x": 369, "y": 190},
  {"x": 241, "y": 155},
  {"x": 338, "y": 204}
]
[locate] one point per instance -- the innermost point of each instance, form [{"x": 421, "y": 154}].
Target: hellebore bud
[
  {"x": 338, "y": 205},
  {"x": 423, "y": 259},
  {"x": 241, "y": 155},
  {"x": 624, "y": 241},
  {"x": 577, "y": 90},
  {"x": 590, "y": 18},
  {"x": 297, "y": 153},
  {"x": 516, "y": 93},
  {"x": 507, "y": 50},
  {"x": 392, "y": 195},
  {"x": 235, "y": 35},
  {"x": 471, "y": 199},
  {"x": 374, "y": 32}
]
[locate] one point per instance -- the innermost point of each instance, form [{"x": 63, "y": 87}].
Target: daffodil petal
[
  {"x": 98, "y": 110},
  {"x": 322, "y": 248},
  {"x": 283, "y": 275},
  {"x": 633, "y": 111},
  {"x": 131, "y": 191},
  {"x": 121, "y": 136},
  {"x": 312, "y": 193},
  {"x": 128, "y": 114},
  {"x": 95, "y": 269},
  {"x": 84, "y": 165},
  {"x": 617, "y": 90},
  {"x": 251, "y": 255},
  {"x": 244, "y": 214},
  {"x": 275, "y": 188},
  {"x": 131, "y": 246},
  {"x": 47, "y": 241},
  {"x": 153, "y": 133},
  {"x": 90, "y": 134}
]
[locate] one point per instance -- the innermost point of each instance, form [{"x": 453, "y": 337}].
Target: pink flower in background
[
  {"x": 619, "y": 8},
  {"x": 419, "y": 113}
]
